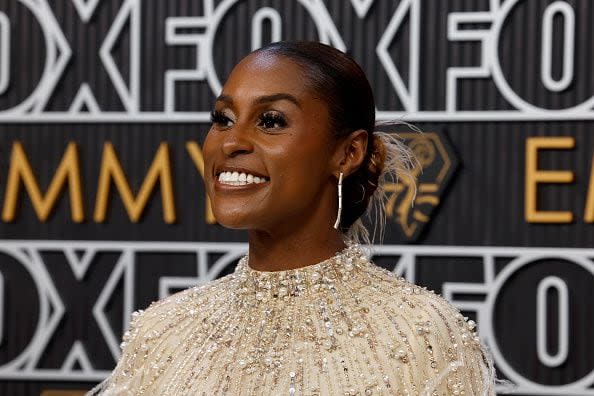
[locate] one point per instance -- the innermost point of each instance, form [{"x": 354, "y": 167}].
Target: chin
[
  {"x": 236, "y": 212},
  {"x": 232, "y": 225},
  {"x": 231, "y": 219}
]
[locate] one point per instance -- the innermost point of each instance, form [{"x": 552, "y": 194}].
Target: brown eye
[{"x": 272, "y": 120}]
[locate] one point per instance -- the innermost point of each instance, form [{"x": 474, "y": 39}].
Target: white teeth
[{"x": 240, "y": 179}]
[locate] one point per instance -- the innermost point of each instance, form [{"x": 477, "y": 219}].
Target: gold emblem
[{"x": 437, "y": 164}]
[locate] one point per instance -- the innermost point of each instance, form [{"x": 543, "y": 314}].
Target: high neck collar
[{"x": 299, "y": 281}]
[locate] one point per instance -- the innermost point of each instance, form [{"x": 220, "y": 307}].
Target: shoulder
[
  {"x": 187, "y": 303},
  {"x": 432, "y": 340},
  {"x": 418, "y": 306},
  {"x": 156, "y": 326}
]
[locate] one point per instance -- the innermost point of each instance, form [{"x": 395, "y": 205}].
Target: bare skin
[{"x": 267, "y": 122}]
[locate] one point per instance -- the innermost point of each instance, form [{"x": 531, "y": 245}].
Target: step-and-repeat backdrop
[{"x": 104, "y": 105}]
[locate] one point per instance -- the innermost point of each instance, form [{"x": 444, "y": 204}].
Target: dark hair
[{"x": 342, "y": 84}]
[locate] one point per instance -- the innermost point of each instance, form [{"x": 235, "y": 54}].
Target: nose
[{"x": 236, "y": 142}]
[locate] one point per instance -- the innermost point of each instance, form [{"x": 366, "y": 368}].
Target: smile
[{"x": 240, "y": 178}]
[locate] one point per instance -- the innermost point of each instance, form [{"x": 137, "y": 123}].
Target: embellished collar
[{"x": 266, "y": 285}]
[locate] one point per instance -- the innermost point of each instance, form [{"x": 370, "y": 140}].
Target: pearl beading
[{"x": 266, "y": 285}]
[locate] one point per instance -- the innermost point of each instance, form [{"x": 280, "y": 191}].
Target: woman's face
[{"x": 268, "y": 152}]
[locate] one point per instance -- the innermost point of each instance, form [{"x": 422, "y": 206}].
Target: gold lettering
[
  {"x": 534, "y": 176},
  {"x": 111, "y": 169},
  {"x": 589, "y": 209},
  {"x": 20, "y": 169},
  {"x": 198, "y": 159}
]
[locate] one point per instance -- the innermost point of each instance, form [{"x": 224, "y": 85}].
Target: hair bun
[{"x": 388, "y": 160}]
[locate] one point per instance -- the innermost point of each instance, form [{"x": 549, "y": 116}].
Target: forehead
[{"x": 263, "y": 73}]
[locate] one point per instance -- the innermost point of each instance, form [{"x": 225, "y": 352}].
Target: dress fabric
[{"x": 344, "y": 326}]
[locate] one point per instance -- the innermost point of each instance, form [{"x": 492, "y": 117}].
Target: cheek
[
  {"x": 208, "y": 152},
  {"x": 208, "y": 142},
  {"x": 302, "y": 164}
]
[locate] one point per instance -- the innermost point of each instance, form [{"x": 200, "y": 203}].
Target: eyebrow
[{"x": 263, "y": 99}]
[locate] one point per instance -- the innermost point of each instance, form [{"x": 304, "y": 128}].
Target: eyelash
[
  {"x": 219, "y": 118},
  {"x": 277, "y": 120}
]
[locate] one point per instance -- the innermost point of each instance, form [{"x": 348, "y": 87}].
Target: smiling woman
[{"x": 292, "y": 157}]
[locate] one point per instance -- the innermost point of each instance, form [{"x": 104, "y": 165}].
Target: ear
[{"x": 350, "y": 152}]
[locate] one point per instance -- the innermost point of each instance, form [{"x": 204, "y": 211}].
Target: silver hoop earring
[{"x": 339, "y": 202}]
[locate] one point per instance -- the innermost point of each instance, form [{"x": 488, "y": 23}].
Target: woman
[{"x": 293, "y": 158}]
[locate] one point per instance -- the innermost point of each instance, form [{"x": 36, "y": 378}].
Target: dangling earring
[{"x": 339, "y": 202}]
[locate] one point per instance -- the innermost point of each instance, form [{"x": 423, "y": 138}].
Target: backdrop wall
[{"x": 104, "y": 105}]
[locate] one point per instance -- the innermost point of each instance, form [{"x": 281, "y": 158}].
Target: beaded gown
[{"x": 344, "y": 326}]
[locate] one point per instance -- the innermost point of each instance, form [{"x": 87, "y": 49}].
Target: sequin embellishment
[{"x": 340, "y": 327}]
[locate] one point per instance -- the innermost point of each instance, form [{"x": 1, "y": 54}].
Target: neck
[{"x": 284, "y": 251}]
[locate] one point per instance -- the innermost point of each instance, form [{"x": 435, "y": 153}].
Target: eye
[
  {"x": 272, "y": 120},
  {"x": 219, "y": 119}
]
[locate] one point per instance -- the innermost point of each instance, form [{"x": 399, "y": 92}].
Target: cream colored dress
[{"x": 340, "y": 327}]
